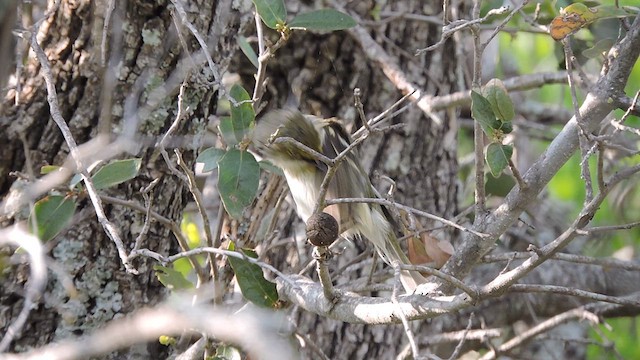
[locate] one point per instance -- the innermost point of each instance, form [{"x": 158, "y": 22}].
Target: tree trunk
[
  {"x": 318, "y": 73},
  {"x": 124, "y": 90},
  {"x": 96, "y": 101}
]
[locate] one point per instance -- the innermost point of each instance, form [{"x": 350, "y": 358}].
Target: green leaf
[
  {"x": 248, "y": 50},
  {"x": 171, "y": 279},
  {"x": 499, "y": 186},
  {"x": 497, "y": 157},
  {"x": 481, "y": 111},
  {"x": 272, "y": 12},
  {"x": 253, "y": 285},
  {"x": 210, "y": 158},
  {"x": 46, "y": 169},
  {"x": 496, "y": 93},
  {"x": 238, "y": 177},
  {"x": 52, "y": 214},
  {"x": 116, "y": 172},
  {"x": 234, "y": 129},
  {"x": 599, "y": 49},
  {"x": 323, "y": 19}
]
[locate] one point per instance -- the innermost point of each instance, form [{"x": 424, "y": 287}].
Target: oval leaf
[
  {"x": 210, "y": 158},
  {"x": 272, "y": 12},
  {"x": 171, "y": 279},
  {"x": 116, "y": 172},
  {"x": 46, "y": 169},
  {"x": 52, "y": 214},
  {"x": 238, "y": 177},
  {"x": 251, "y": 281},
  {"x": 481, "y": 111},
  {"x": 234, "y": 129},
  {"x": 248, "y": 50},
  {"x": 496, "y": 93},
  {"x": 324, "y": 19},
  {"x": 497, "y": 157}
]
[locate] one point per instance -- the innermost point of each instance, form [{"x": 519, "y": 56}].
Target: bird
[{"x": 304, "y": 174}]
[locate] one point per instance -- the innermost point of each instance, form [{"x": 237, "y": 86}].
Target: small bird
[{"x": 304, "y": 174}]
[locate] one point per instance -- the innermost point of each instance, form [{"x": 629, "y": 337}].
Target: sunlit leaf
[
  {"x": 46, "y": 169},
  {"x": 253, "y": 285},
  {"x": 171, "y": 279},
  {"x": 238, "y": 178},
  {"x": 272, "y": 12},
  {"x": 116, "y": 172},
  {"x": 51, "y": 215},
  {"x": 324, "y": 19},
  {"x": 496, "y": 93},
  {"x": 578, "y": 15}
]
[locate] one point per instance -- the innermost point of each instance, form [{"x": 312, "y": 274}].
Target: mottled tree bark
[
  {"x": 318, "y": 73},
  {"x": 144, "y": 53}
]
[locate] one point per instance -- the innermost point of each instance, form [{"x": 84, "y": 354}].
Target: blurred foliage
[{"x": 524, "y": 50}]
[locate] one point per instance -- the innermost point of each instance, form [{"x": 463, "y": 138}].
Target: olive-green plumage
[{"x": 305, "y": 174}]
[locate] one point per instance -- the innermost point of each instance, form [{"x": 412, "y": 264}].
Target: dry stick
[
  {"x": 478, "y": 133},
  {"x": 203, "y": 44},
  {"x": 562, "y": 290},
  {"x": 583, "y": 135},
  {"x": 252, "y": 329},
  {"x": 321, "y": 255},
  {"x": 407, "y": 209},
  {"x": 544, "y": 326},
  {"x": 358, "y": 104},
  {"x": 516, "y": 83},
  {"x": 580, "y": 259},
  {"x": 458, "y": 348},
  {"x": 19, "y": 54},
  {"x": 147, "y": 218},
  {"x": 504, "y": 22},
  {"x": 450, "y": 29},
  {"x": 105, "y": 29},
  {"x": 52, "y": 99},
  {"x": 541, "y": 255},
  {"x": 405, "y": 323},
  {"x": 595, "y": 107},
  {"x": 175, "y": 229},
  {"x": 471, "y": 291},
  {"x": 228, "y": 253},
  {"x": 37, "y": 278},
  {"x": 386, "y": 113},
  {"x": 197, "y": 196},
  {"x": 618, "y": 123}
]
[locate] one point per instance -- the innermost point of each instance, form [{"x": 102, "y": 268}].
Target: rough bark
[
  {"x": 143, "y": 46},
  {"x": 315, "y": 72},
  {"x": 318, "y": 73}
]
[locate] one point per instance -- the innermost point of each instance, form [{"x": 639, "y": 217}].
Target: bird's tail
[{"x": 380, "y": 232}]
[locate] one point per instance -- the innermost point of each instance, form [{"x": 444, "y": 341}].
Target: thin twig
[
  {"x": 407, "y": 209},
  {"x": 52, "y": 98},
  {"x": 197, "y": 196}
]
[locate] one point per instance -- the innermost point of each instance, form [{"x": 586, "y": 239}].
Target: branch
[
  {"x": 595, "y": 108},
  {"x": 255, "y": 330},
  {"x": 353, "y": 308},
  {"x": 52, "y": 98}
]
